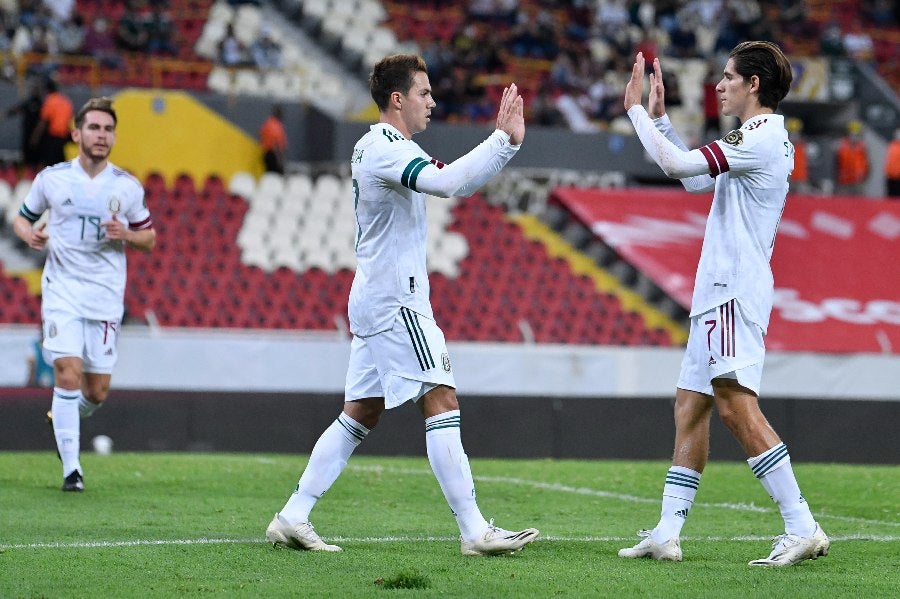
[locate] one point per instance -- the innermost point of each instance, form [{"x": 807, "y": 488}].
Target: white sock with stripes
[
  {"x": 678, "y": 497},
  {"x": 327, "y": 461},
  {"x": 451, "y": 467},
  {"x": 67, "y": 427},
  {"x": 773, "y": 469}
]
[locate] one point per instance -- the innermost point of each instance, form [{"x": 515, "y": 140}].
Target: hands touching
[{"x": 511, "y": 116}]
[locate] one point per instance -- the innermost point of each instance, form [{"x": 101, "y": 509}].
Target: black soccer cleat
[
  {"x": 53, "y": 432},
  {"x": 73, "y": 482}
]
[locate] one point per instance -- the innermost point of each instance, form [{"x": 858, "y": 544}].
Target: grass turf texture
[{"x": 163, "y": 525}]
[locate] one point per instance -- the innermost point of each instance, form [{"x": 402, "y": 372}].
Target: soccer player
[
  {"x": 722, "y": 367},
  {"x": 398, "y": 352},
  {"x": 96, "y": 208}
]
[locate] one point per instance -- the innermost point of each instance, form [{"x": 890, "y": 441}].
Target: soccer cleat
[
  {"x": 73, "y": 482},
  {"x": 496, "y": 541},
  {"x": 670, "y": 550},
  {"x": 788, "y": 550},
  {"x": 298, "y": 536}
]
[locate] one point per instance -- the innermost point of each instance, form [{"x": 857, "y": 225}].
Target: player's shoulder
[
  {"x": 384, "y": 143},
  {"x": 125, "y": 178},
  {"x": 55, "y": 171},
  {"x": 756, "y": 131}
]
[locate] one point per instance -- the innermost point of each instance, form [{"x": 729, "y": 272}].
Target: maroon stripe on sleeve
[
  {"x": 713, "y": 167},
  {"x": 144, "y": 224},
  {"x": 720, "y": 156}
]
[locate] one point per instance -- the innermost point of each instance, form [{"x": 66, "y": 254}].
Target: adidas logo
[
  {"x": 68, "y": 202},
  {"x": 108, "y": 352},
  {"x": 711, "y": 361},
  {"x": 682, "y": 513}
]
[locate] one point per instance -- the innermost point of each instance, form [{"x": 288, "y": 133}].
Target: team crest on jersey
[
  {"x": 51, "y": 330},
  {"x": 734, "y": 138},
  {"x": 114, "y": 205},
  {"x": 445, "y": 361}
]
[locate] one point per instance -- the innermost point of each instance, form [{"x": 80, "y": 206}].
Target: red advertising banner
[{"x": 836, "y": 261}]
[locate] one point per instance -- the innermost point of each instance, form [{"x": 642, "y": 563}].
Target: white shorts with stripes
[
  {"x": 94, "y": 341},
  {"x": 400, "y": 364},
  {"x": 722, "y": 343}
]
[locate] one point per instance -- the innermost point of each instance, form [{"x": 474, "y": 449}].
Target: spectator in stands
[
  {"x": 266, "y": 52},
  {"x": 131, "y": 31},
  {"x": 52, "y": 131},
  {"x": 96, "y": 209},
  {"x": 232, "y": 53},
  {"x": 852, "y": 158},
  {"x": 71, "y": 34},
  {"x": 733, "y": 293},
  {"x": 892, "y": 166},
  {"x": 29, "y": 109},
  {"x": 398, "y": 352},
  {"x": 800, "y": 174},
  {"x": 161, "y": 32},
  {"x": 712, "y": 127},
  {"x": 273, "y": 141},
  {"x": 100, "y": 43}
]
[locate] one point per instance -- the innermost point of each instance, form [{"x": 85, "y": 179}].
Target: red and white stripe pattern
[
  {"x": 726, "y": 317},
  {"x": 715, "y": 158}
]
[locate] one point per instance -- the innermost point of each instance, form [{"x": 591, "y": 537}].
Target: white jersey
[
  {"x": 85, "y": 273},
  {"x": 391, "y": 175},
  {"x": 749, "y": 169}
]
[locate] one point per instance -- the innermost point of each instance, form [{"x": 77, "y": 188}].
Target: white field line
[
  {"x": 494, "y": 479},
  {"x": 395, "y": 539},
  {"x": 742, "y": 507}
]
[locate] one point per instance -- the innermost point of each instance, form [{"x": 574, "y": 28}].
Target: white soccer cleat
[
  {"x": 668, "y": 551},
  {"x": 299, "y": 536},
  {"x": 788, "y": 550},
  {"x": 496, "y": 541}
]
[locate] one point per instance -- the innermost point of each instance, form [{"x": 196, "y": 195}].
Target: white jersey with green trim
[
  {"x": 85, "y": 272},
  {"x": 391, "y": 176},
  {"x": 749, "y": 169}
]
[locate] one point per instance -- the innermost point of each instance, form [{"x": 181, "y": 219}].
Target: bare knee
[
  {"x": 437, "y": 401},
  {"x": 68, "y": 373},
  {"x": 96, "y": 387},
  {"x": 365, "y": 411}
]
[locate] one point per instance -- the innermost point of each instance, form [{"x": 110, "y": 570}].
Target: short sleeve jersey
[
  {"x": 85, "y": 272},
  {"x": 751, "y": 166},
  {"x": 391, "y": 230}
]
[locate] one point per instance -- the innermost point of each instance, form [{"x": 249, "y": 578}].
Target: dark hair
[
  {"x": 102, "y": 104},
  {"x": 394, "y": 74},
  {"x": 768, "y": 62}
]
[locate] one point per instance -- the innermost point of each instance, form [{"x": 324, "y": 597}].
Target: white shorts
[
  {"x": 723, "y": 344},
  {"x": 400, "y": 364},
  {"x": 94, "y": 341}
]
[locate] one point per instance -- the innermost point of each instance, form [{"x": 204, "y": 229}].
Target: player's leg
[
  {"x": 100, "y": 355},
  {"x": 450, "y": 465},
  {"x": 362, "y": 409},
  {"x": 693, "y": 408},
  {"x": 803, "y": 538},
  {"x": 64, "y": 341}
]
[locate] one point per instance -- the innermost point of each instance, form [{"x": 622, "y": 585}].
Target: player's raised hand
[
  {"x": 635, "y": 88},
  {"x": 511, "y": 115},
  {"x": 657, "y": 106}
]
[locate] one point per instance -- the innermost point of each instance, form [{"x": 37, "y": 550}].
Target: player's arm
[
  {"x": 469, "y": 173},
  {"x": 138, "y": 232},
  {"x": 34, "y": 237}
]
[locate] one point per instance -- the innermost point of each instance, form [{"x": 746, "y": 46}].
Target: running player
[
  {"x": 722, "y": 367},
  {"x": 95, "y": 209},
  {"x": 398, "y": 352}
]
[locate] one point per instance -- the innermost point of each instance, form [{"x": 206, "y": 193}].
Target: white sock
[
  {"x": 678, "y": 497},
  {"x": 327, "y": 461},
  {"x": 67, "y": 427},
  {"x": 451, "y": 467},
  {"x": 773, "y": 469},
  {"x": 86, "y": 407}
]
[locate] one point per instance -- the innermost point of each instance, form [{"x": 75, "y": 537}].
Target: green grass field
[{"x": 165, "y": 525}]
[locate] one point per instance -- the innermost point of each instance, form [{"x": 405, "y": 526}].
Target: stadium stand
[{"x": 281, "y": 257}]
